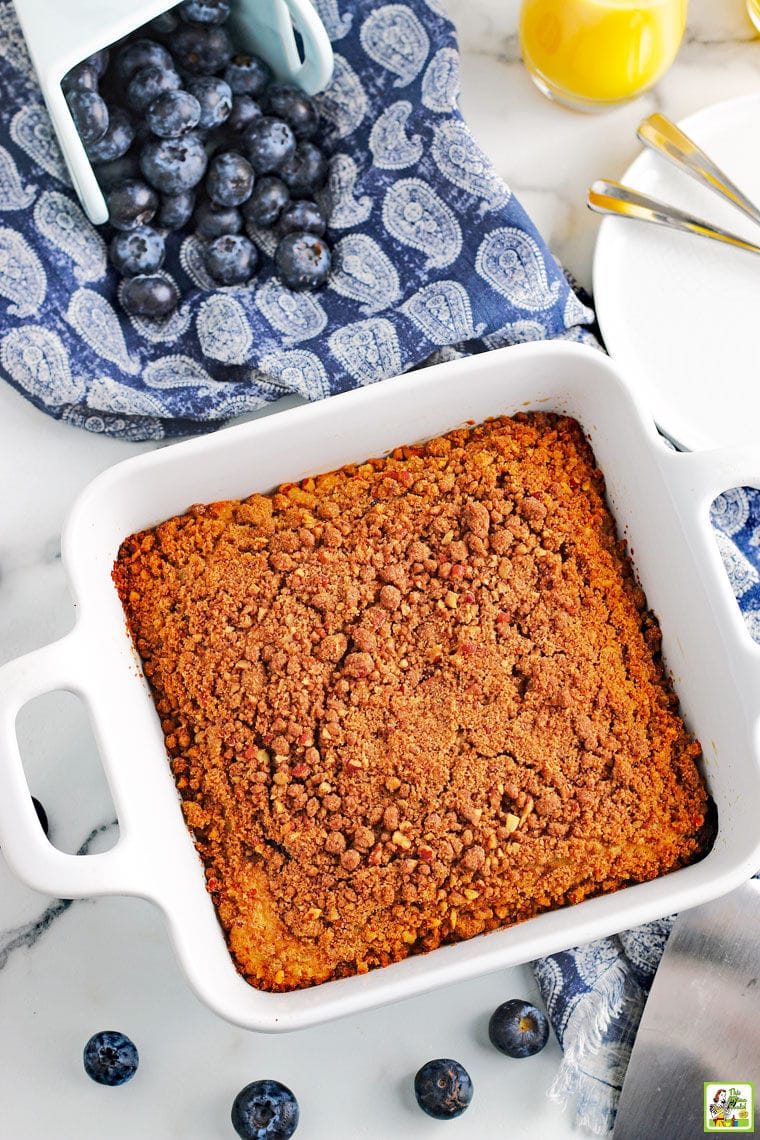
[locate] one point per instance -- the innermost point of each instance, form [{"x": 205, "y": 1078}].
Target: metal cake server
[
  {"x": 665, "y": 138},
  {"x": 625, "y": 202},
  {"x": 701, "y": 1021}
]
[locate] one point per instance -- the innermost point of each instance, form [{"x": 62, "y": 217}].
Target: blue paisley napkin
[
  {"x": 431, "y": 250},
  {"x": 595, "y": 994}
]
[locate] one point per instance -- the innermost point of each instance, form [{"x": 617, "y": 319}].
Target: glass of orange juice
[{"x": 595, "y": 54}]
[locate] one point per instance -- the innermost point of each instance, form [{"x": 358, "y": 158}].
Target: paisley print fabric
[{"x": 432, "y": 253}]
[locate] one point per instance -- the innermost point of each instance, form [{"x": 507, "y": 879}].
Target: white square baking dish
[{"x": 661, "y": 501}]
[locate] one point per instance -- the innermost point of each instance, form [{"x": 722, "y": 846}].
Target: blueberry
[
  {"x": 131, "y": 204},
  {"x": 90, "y": 114},
  {"x": 294, "y": 106},
  {"x": 247, "y": 75},
  {"x": 110, "y": 1058},
  {"x": 173, "y": 114},
  {"x": 265, "y": 1110},
  {"x": 204, "y": 11},
  {"x": 443, "y": 1088},
  {"x": 116, "y": 141},
  {"x": 305, "y": 171},
  {"x": 138, "y": 54},
  {"x": 83, "y": 77},
  {"x": 269, "y": 198},
  {"x": 230, "y": 179},
  {"x": 518, "y": 1028},
  {"x": 211, "y": 221},
  {"x": 231, "y": 259},
  {"x": 303, "y": 261},
  {"x": 147, "y": 84},
  {"x": 99, "y": 61},
  {"x": 201, "y": 49},
  {"x": 269, "y": 144},
  {"x": 172, "y": 165},
  {"x": 149, "y": 296},
  {"x": 303, "y": 216},
  {"x": 137, "y": 251},
  {"x": 162, "y": 25},
  {"x": 109, "y": 174},
  {"x": 244, "y": 111},
  {"x": 215, "y": 99},
  {"x": 175, "y": 210},
  {"x": 41, "y": 814}
]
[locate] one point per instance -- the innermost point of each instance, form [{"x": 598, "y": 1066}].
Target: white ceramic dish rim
[{"x": 661, "y": 500}]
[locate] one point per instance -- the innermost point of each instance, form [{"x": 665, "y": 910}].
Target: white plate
[{"x": 682, "y": 314}]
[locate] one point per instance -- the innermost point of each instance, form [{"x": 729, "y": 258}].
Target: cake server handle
[
  {"x": 61, "y": 665},
  {"x": 668, "y": 140}
]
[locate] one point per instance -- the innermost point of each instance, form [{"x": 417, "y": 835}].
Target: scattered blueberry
[
  {"x": 201, "y": 49},
  {"x": 116, "y": 141},
  {"x": 247, "y": 75},
  {"x": 147, "y": 84},
  {"x": 212, "y": 221},
  {"x": 149, "y": 295},
  {"x": 175, "y": 210},
  {"x": 83, "y": 77},
  {"x": 172, "y": 165},
  {"x": 305, "y": 171},
  {"x": 518, "y": 1028},
  {"x": 138, "y": 54},
  {"x": 269, "y": 198},
  {"x": 110, "y": 1058},
  {"x": 230, "y": 179},
  {"x": 173, "y": 114},
  {"x": 215, "y": 100},
  {"x": 131, "y": 204},
  {"x": 231, "y": 259},
  {"x": 204, "y": 11},
  {"x": 41, "y": 815},
  {"x": 294, "y": 106},
  {"x": 137, "y": 251},
  {"x": 265, "y": 1110},
  {"x": 303, "y": 261},
  {"x": 302, "y": 216},
  {"x": 244, "y": 111},
  {"x": 443, "y": 1088},
  {"x": 269, "y": 144},
  {"x": 90, "y": 114}
]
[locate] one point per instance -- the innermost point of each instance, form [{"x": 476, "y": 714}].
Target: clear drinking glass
[{"x": 595, "y": 54}]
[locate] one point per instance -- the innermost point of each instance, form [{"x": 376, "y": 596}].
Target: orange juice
[{"x": 595, "y": 53}]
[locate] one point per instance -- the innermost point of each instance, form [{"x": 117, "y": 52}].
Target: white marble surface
[{"x": 66, "y": 972}]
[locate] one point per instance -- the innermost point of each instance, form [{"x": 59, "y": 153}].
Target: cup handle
[
  {"x": 270, "y": 32},
  {"x": 24, "y": 844}
]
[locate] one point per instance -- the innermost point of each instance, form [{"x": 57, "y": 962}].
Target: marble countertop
[{"x": 68, "y": 970}]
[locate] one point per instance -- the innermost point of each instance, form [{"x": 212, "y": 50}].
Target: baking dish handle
[
  {"x": 702, "y": 476},
  {"x": 58, "y": 666}
]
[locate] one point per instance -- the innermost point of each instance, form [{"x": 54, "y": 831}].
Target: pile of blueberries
[
  {"x": 185, "y": 133},
  {"x": 268, "y": 1110}
]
